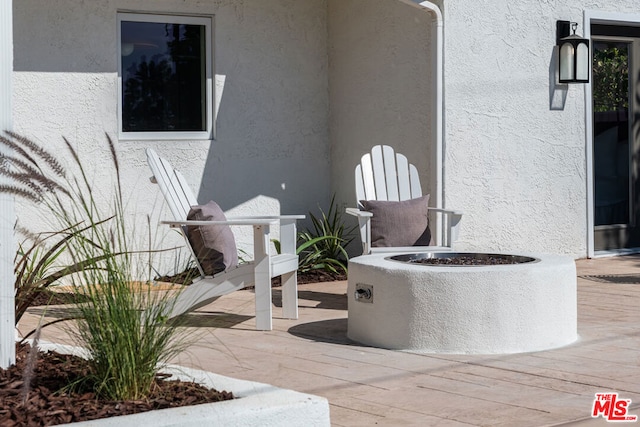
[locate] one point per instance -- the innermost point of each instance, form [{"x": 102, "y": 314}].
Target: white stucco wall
[
  {"x": 515, "y": 152},
  {"x": 310, "y": 85},
  {"x": 513, "y": 164},
  {"x": 515, "y": 142},
  {"x": 271, "y": 153},
  {"x": 381, "y": 86}
]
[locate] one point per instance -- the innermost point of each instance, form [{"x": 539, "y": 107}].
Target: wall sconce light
[{"x": 573, "y": 58}]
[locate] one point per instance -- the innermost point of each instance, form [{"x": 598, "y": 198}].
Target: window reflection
[
  {"x": 611, "y": 132},
  {"x": 163, "y": 77}
]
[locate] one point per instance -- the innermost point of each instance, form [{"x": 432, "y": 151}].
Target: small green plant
[
  {"x": 312, "y": 257},
  {"x": 323, "y": 246}
]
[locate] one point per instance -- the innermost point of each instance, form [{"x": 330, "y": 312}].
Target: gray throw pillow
[
  {"x": 214, "y": 245},
  {"x": 399, "y": 223}
]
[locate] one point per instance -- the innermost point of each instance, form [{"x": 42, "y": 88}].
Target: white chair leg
[
  {"x": 290, "y": 295},
  {"x": 455, "y": 227},
  {"x": 262, "y": 277}
]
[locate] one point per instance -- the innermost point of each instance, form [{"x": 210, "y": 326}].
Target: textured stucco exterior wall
[
  {"x": 271, "y": 151},
  {"x": 514, "y": 165},
  {"x": 310, "y": 85},
  {"x": 514, "y": 140},
  {"x": 515, "y": 152},
  {"x": 381, "y": 86}
]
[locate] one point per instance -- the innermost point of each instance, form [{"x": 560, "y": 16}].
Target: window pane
[
  {"x": 163, "y": 77},
  {"x": 611, "y": 160}
]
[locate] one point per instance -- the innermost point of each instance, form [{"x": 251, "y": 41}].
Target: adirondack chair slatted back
[
  {"x": 176, "y": 192},
  {"x": 173, "y": 186},
  {"x": 386, "y": 175}
]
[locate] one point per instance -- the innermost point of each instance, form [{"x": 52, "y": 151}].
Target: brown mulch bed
[
  {"x": 319, "y": 276},
  {"x": 41, "y": 403}
]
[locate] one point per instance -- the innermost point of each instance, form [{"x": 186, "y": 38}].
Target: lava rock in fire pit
[
  {"x": 461, "y": 259},
  {"x": 466, "y": 260}
]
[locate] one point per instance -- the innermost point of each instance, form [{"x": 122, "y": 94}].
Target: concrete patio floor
[{"x": 371, "y": 386}]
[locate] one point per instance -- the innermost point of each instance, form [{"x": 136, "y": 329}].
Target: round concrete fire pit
[{"x": 433, "y": 302}]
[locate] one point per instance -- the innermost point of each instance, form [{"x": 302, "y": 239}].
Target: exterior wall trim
[{"x": 7, "y": 213}]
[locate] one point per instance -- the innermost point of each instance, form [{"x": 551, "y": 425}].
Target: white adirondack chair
[
  {"x": 386, "y": 175},
  {"x": 259, "y": 272}
]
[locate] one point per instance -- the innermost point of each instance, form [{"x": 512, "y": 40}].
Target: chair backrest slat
[
  {"x": 187, "y": 198},
  {"x": 379, "y": 176},
  {"x": 414, "y": 182},
  {"x": 386, "y": 175},
  {"x": 404, "y": 182},
  {"x": 173, "y": 186},
  {"x": 390, "y": 173},
  {"x": 360, "y": 192},
  {"x": 176, "y": 192},
  {"x": 368, "y": 188}
]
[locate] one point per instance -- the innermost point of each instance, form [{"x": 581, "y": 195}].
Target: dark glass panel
[
  {"x": 611, "y": 132},
  {"x": 163, "y": 77}
]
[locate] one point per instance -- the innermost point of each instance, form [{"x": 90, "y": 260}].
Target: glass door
[{"x": 615, "y": 74}]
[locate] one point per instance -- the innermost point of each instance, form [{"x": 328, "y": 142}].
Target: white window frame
[{"x": 207, "y": 22}]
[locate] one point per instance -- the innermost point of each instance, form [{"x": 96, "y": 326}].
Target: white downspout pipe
[{"x": 435, "y": 10}]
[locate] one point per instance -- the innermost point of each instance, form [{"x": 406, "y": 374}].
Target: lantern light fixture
[{"x": 573, "y": 54}]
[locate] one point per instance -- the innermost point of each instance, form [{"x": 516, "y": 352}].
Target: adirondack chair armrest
[
  {"x": 453, "y": 219},
  {"x": 358, "y": 213},
  {"x": 256, "y": 221},
  {"x": 283, "y": 219},
  {"x": 364, "y": 225},
  {"x": 446, "y": 211},
  {"x": 240, "y": 220},
  {"x": 288, "y": 229},
  {"x": 454, "y": 216}
]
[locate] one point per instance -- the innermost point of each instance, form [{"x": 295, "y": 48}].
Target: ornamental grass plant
[
  {"x": 122, "y": 327},
  {"x": 125, "y": 331}
]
